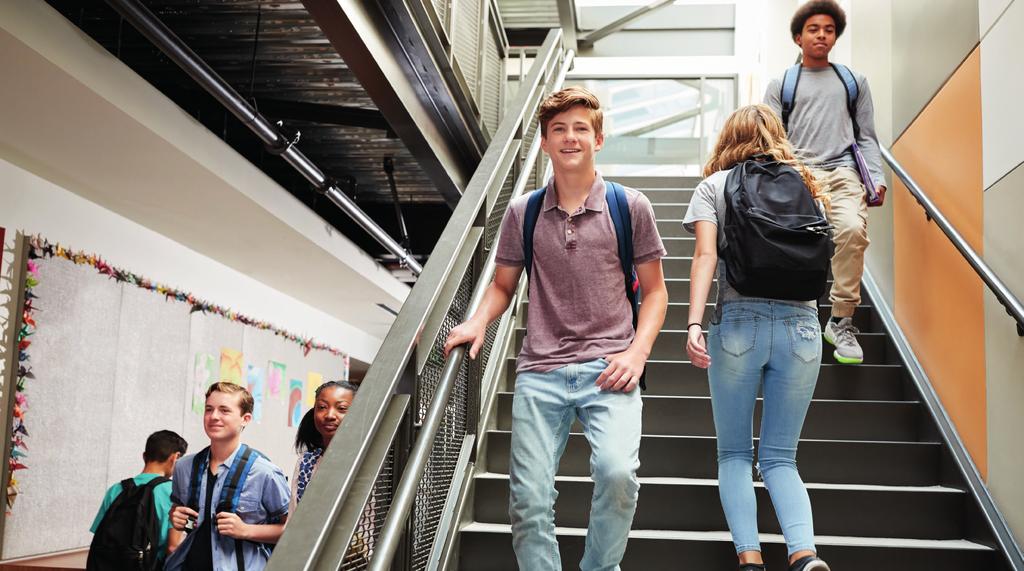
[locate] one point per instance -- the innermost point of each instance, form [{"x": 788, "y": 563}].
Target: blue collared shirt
[{"x": 264, "y": 499}]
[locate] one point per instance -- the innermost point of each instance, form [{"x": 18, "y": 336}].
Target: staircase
[{"x": 885, "y": 492}]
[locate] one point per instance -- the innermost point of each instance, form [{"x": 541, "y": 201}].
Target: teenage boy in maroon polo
[{"x": 581, "y": 358}]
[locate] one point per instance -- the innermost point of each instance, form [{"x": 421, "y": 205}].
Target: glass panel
[{"x": 660, "y": 127}]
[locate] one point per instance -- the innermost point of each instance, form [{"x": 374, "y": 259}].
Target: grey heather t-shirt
[
  {"x": 820, "y": 127},
  {"x": 578, "y": 306},
  {"x": 708, "y": 204}
]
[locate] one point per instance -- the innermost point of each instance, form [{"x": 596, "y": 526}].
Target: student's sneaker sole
[
  {"x": 817, "y": 566},
  {"x": 846, "y": 360},
  {"x": 835, "y": 354}
]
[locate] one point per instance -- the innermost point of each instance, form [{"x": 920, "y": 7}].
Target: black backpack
[
  {"x": 128, "y": 537},
  {"x": 778, "y": 242}
]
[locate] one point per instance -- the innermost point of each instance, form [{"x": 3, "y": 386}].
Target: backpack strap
[
  {"x": 530, "y": 216},
  {"x": 231, "y": 492},
  {"x": 141, "y": 533},
  {"x": 618, "y": 209},
  {"x": 852, "y": 92},
  {"x": 237, "y": 473},
  {"x": 200, "y": 463},
  {"x": 788, "y": 96}
]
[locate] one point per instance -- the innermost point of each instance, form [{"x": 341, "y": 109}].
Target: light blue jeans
[
  {"x": 543, "y": 409},
  {"x": 777, "y": 346}
]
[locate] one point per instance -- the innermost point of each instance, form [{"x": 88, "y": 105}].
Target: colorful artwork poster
[
  {"x": 275, "y": 377},
  {"x": 255, "y": 381},
  {"x": 231, "y": 366},
  {"x": 313, "y": 382},
  {"x": 204, "y": 374},
  {"x": 294, "y": 402}
]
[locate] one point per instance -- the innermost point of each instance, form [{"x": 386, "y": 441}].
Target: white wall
[{"x": 35, "y": 205}]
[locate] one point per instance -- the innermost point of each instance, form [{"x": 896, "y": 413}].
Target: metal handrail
[
  {"x": 405, "y": 493},
  {"x": 1009, "y": 301},
  {"x": 306, "y": 543}
]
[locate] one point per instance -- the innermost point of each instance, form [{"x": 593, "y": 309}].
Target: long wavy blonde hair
[{"x": 756, "y": 130}]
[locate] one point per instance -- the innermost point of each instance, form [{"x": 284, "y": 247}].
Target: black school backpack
[
  {"x": 778, "y": 242},
  {"x": 128, "y": 537}
]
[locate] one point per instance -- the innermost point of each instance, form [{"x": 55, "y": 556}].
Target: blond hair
[
  {"x": 564, "y": 100},
  {"x": 756, "y": 130},
  {"x": 245, "y": 401}
]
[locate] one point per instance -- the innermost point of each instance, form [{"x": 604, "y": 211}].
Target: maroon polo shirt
[{"x": 578, "y": 306}]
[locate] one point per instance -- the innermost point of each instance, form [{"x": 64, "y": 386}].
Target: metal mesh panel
[
  {"x": 498, "y": 211},
  {"x": 441, "y": 7},
  {"x": 437, "y": 478},
  {"x": 364, "y": 540},
  {"x": 494, "y": 74},
  {"x": 466, "y": 43}
]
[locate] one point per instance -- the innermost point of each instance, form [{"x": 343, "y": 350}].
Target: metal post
[
  {"x": 163, "y": 38},
  {"x": 15, "y": 303}
]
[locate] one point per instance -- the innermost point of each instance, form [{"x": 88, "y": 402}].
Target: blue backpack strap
[
  {"x": 788, "y": 96},
  {"x": 852, "y": 92},
  {"x": 530, "y": 216},
  {"x": 237, "y": 473},
  {"x": 231, "y": 492},
  {"x": 618, "y": 209},
  {"x": 200, "y": 463}
]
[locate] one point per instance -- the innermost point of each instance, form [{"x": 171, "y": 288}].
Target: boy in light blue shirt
[{"x": 227, "y": 533}]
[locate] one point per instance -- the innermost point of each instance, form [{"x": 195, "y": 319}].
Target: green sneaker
[{"x": 843, "y": 336}]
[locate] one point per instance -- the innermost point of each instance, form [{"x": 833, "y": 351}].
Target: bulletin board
[{"x": 111, "y": 362}]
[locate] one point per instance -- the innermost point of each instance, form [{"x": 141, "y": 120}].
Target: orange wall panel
[{"x": 939, "y": 298}]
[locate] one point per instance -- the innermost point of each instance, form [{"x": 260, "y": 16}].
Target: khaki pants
[{"x": 848, "y": 214}]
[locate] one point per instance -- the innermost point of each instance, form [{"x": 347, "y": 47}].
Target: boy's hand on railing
[
  {"x": 466, "y": 332},
  {"x": 623, "y": 371}
]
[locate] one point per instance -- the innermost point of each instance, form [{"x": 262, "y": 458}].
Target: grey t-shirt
[
  {"x": 820, "y": 127},
  {"x": 708, "y": 204}
]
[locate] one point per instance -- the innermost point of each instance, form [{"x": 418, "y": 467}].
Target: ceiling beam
[
  {"x": 567, "y": 18},
  {"x": 323, "y": 113},
  {"x": 382, "y": 45}
]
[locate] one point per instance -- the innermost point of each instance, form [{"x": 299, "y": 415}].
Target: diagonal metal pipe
[
  {"x": 163, "y": 38},
  {"x": 587, "y": 42}
]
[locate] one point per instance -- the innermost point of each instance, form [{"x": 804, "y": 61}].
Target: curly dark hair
[{"x": 813, "y": 8}]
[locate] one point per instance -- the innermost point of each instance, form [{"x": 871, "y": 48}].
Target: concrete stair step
[
  {"x": 835, "y": 381},
  {"x": 682, "y": 504},
  {"x": 820, "y": 461},
  {"x": 488, "y": 547},
  {"x": 883, "y": 421}
]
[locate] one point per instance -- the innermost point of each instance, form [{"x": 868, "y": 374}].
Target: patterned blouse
[{"x": 304, "y": 470}]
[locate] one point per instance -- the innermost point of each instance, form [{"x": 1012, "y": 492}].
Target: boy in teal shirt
[{"x": 163, "y": 448}]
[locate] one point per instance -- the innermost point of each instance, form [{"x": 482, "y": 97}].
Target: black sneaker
[
  {"x": 809, "y": 563},
  {"x": 752, "y": 567}
]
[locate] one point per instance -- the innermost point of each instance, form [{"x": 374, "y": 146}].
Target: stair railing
[
  {"x": 406, "y": 492},
  {"x": 352, "y": 515},
  {"x": 1009, "y": 301}
]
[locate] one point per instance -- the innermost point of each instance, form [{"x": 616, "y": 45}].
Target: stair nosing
[
  {"x": 724, "y": 536},
  {"x": 802, "y": 440},
  {"x": 713, "y": 482},
  {"x": 708, "y": 398}
]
